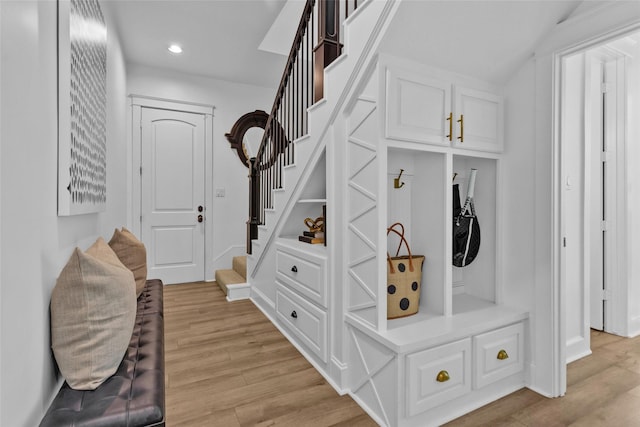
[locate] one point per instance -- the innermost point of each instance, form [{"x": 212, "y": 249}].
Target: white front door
[{"x": 173, "y": 194}]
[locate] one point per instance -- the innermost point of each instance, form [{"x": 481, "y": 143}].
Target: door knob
[
  {"x": 200, "y": 208},
  {"x": 200, "y": 218}
]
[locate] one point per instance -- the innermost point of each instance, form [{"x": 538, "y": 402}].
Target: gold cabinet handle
[
  {"x": 502, "y": 355},
  {"x": 461, "y": 121},
  {"x": 450, "y": 120},
  {"x": 443, "y": 376}
]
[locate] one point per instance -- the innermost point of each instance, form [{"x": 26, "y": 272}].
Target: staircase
[
  {"x": 305, "y": 153},
  {"x": 233, "y": 282}
]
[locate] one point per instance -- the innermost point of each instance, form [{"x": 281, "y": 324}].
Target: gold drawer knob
[
  {"x": 502, "y": 355},
  {"x": 443, "y": 376}
]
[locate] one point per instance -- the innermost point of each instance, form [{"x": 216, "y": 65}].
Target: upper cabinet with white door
[
  {"x": 417, "y": 107},
  {"x": 431, "y": 106},
  {"x": 479, "y": 119}
]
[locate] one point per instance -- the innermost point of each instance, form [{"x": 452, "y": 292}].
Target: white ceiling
[
  {"x": 220, "y": 38},
  {"x": 488, "y": 40},
  {"x": 235, "y": 40}
]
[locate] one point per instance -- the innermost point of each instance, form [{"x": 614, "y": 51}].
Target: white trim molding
[
  {"x": 238, "y": 291},
  {"x": 136, "y": 103}
]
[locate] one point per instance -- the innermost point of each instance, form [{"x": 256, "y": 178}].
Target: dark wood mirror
[{"x": 246, "y": 134}]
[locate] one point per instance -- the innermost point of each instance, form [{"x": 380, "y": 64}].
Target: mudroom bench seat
[{"x": 134, "y": 395}]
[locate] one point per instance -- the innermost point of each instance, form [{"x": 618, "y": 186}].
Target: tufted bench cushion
[
  {"x": 134, "y": 395},
  {"x": 150, "y": 300}
]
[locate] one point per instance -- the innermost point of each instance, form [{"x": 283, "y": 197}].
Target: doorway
[
  {"x": 171, "y": 164},
  {"x": 596, "y": 83}
]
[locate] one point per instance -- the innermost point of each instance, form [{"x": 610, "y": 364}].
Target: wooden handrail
[
  {"x": 293, "y": 55},
  {"x": 313, "y": 49}
]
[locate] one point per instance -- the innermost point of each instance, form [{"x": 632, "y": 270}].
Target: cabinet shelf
[
  {"x": 462, "y": 304},
  {"x": 313, "y": 201},
  {"x": 465, "y": 303},
  {"x": 293, "y": 242},
  {"x": 309, "y": 204}
]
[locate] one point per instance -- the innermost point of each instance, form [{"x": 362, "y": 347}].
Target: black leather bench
[{"x": 134, "y": 395}]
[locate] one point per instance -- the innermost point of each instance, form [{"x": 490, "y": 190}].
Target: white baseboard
[
  {"x": 531, "y": 374},
  {"x": 540, "y": 392},
  {"x": 238, "y": 291},
  {"x": 577, "y": 348},
  {"x": 634, "y": 327},
  {"x": 339, "y": 372},
  {"x": 261, "y": 301},
  {"x": 578, "y": 356},
  {"x": 368, "y": 410}
]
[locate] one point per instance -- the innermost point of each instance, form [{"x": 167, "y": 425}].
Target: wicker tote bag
[{"x": 404, "y": 277}]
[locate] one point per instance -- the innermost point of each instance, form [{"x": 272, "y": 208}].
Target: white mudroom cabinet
[{"x": 410, "y": 131}]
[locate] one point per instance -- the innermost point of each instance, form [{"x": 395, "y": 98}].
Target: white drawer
[
  {"x": 498, "y": 354},
  {"x": 305, "y": 320},
  {"x": 438, "y": 375},
  {"x": 303, "y": 272}
]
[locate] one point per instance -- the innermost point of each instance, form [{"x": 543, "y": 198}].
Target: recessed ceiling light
[{"x": 174, "y": 48}]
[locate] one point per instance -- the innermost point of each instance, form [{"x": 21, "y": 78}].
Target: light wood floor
[
  {"x": 227, "y": 365},
  {"x": 603, "y": 389}
]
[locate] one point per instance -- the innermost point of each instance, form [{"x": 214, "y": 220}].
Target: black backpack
[{"x": 466, "y": 230}]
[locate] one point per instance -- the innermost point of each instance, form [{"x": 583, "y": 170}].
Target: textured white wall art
[{"x": 82, "y": 135}]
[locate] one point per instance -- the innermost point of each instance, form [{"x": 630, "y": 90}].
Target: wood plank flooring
[
  {"x": 603, "y": 389},
  {"x": 227, "y": 365}
]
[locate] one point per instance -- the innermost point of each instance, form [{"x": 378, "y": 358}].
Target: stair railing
[{"x": 301, "y": 85}]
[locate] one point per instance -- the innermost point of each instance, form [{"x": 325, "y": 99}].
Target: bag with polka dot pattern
[{"x": 404, "y": 277}]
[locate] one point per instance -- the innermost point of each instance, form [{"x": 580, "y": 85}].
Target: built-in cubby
[
  {"x": 418, "y": 204},
  {"x": 477, "y": 284},
  {"x": 420, "y": 196},
  {"x": 309, "y": 204}
]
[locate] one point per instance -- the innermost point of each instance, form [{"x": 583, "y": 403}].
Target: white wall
[
  {"x": 518, "y": 235},
  {"x": 35, "y": 242},
  {"x": 518, "y": 188},
  {"x": 633, "y": 191},
  {"x": 231, "y": 100}
]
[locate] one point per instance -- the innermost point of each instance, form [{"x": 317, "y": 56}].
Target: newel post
[
  {"x": 328, "y": 47},
  {"x": 254, "y": 201}
]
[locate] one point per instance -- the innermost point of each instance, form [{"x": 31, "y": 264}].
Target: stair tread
[{"x": 228, "y": 277}]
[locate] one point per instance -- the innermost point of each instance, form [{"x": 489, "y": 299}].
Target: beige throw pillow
[
  {"x": 93, "y": 309},
  {"x": 133, "y": 255}
]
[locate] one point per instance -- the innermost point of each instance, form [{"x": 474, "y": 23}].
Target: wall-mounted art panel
[{"x": 82, "y": 99}]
